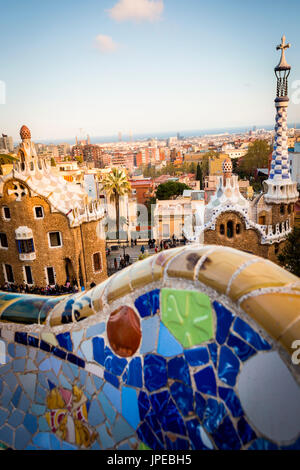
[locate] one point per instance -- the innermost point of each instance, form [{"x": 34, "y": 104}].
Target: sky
[{"x": 99, "y": 67}]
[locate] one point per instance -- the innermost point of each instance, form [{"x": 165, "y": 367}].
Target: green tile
[{"x": 188, "y": 315}]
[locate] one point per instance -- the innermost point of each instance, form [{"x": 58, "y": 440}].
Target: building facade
[{"x": 50, "y": 231}]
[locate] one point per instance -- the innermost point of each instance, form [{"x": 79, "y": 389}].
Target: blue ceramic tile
[
  {"x": 183, "y": 396},
  {"x": 16, "y": 397},
  {"x": 54, "y": 442},
  {"x": 114, "y": 395},
  {"x": 121, "y": 430},
  {"x": 11, "y": 381},
  {"x": 155, "y": 372},
  {"x": 11, "y": 349},
  {"x": 197, "y": 356},
  {"x": 45, "y": 346},
  {"x": 76, "y": 338},
  {"x": 134, "y": 375},
  {"x": 22, "y": 438},
  {"x": 6, "y": 396},
  {"x": 125, "y": 446},
  {"x": 213, "y": 415},
  {"x": 228, "y": 366},
  {"x": 6, "y": 435},
  {"x": 171, "y": 420},
  {"x": 143, "y": 404},
  {"x": 249, "y": 335},
  {"x": 30, "y": 365},
  {"x": 178, "y": 369},
  {"x": 43, "y": 425},
  {"x": 263, "y": 444},
  {"x": 152, "y": 421},
  {"x": 24, "y": 403},
  {"x": 194, "y": 433},
  {"x": 82, "y": 376},
  {"x": 226, "y": 437},
  {"x": 241, "y": 349},
  {"x": 21, "y": 337},
  {"x": 213, "y": 351},
  {"x": 42, "y": 394},
  {"x": 33, "y": 353},
  {"x": 246, "y": 433},
  {"x": 167, "y": 345},
  {"x": 32, "y": 341},
  {"x": 200, "y": 404},
  {"x": 65, "y": 341},
  {"x": 109, "y": 412},
  {"x": 179, "y": 444},
  {"x": 95, "y": 330},
  {"x": 112, "y": 363},
  {"x": 294, "y": 446},
  {"x": 3, "y": 416},
  {"x": 4, "y": 369},
  {"x": 206, "y": 381},
  {"x": 55, "y": 365},
  {"x": 66, "y": 446},
  {"x": 98, "y": 382},
  {"x": 1, "y": 385},
  {"x": 148, "y": 437},
  {"x": 149, "y": 334},
  {"x": 231, "y": 400},
  {"x": 154, "y": 300},
  {"x": 224, "y": 320},
  {"x": 40, "y": 356},
  {"x": 42, "y": 440},
  {"x": 148, "y": 304},
  {"x": 98, "y": 349},
  {"x": 68, "y": 372},
  {"x": 111, "y": 379},
  {"x": 30, "y": 423},
  {"x": 38, "y": 410},
  {"x": 95, "y": 415},
  {"x": 51, "y": 385},
  {"x": 19, "y": 365},
  {"x": 75, "y": 360},
  {"x": 89, "y": 386},
  {"x": 130, "y": 409},
  {"x": 87, "y": 349},
  {"x": 16, "y": 418},
  {"x": 75, "y": 369},
  {"x": 67, "y": 314},
  {"x": 96, "y": 446},
  {"x": 105, "y": 438},
  {"x": 45, "y": 365},
  {"x": 159, "y": 401}
]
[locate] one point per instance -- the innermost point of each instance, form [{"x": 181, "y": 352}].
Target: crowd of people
[{"x": 49, "y": 290}]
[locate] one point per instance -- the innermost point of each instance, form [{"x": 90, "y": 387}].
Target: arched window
[
  {"x": 222, "y": 229},
  {"x": 238, "y": 229},
  {"x": 282, "y": 209},
  {"x": 229, "y": 229}
]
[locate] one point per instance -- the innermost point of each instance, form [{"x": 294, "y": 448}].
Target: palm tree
[{"x": 116, "y": 185}]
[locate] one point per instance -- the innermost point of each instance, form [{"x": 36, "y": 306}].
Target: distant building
[{"x": 6, "y": 143}]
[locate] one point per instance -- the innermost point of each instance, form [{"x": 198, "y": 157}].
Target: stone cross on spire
[{"x": 283, "y": 46}]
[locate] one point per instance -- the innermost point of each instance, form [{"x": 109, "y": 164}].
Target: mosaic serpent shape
[{"x": 189, "y": 349}]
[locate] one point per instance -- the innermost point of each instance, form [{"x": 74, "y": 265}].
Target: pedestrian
[
  {"x": 115, "y": 264},
  {"x": 142, "y": 249}
]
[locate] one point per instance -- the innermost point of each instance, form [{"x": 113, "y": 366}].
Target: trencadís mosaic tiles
[{"x": 167, "y": 358}]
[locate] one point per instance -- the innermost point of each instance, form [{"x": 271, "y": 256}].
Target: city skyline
[{"x": 108, "y": 67}]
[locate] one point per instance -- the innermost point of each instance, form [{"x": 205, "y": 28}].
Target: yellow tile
[
  {"x": 120, "y": 285},
  {"x": 292, "y": 334},
  {"x": 184, "y": 264},
  {"x": 161, "y": 260},
  {"x": 141, "y": 272},
  {"x": 49, "y": 338},
  {"x": 258, "y": 276},
  {"x": 219, "y": 267},
  {"x": 97, "y": 295},
  {"x": 55, "y": 315},
  {"x": 273, "y": 311}
]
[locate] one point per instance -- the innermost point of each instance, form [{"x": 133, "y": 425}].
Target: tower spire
[{"x": 279, "y": 186}]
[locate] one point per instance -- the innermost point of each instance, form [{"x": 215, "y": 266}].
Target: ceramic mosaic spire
[{"x": 279, "y": 187}]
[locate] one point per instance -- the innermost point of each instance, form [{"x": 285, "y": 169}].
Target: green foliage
[
  {"x": 256, "y": 157},
  {"x": 289, "y": 258},
  {"x": 79, "y": 158},
  {"x": 52, "y": 161},
  {"x": 170, "y": 190}
]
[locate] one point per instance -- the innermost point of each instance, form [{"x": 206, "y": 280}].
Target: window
[
  {"x": 55, "y": 239},
  {"x": 28, "y": 275},
  {"x": 276, "y": 248},
  {"x": 25, "y": 246},
  {"x": 6, "y": 213},
  {"x": 9, "y": 275},
  {"x": 222, "y": 229},
  {"x": 39, "y": 212},
  {"x": 238, "y": 228},
  {"x": 97, "y": 262},
  {"x": 3, "y": 240},
  {"x": 282, "y": 211},
  {"x": 230, "y": 229},
  {"x": 166, "y": 230},
  {"x": 51, "y": 277}
]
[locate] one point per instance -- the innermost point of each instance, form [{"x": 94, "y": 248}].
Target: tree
[
  {"x": 199, "y": 176},
  {"x": 116, "y": 185},
  {"x": 289, "y": 258},
  {"x": 256, "y": 157},
  {"x": 170, "y": 189},
  {"x": 52, "y": 161}
]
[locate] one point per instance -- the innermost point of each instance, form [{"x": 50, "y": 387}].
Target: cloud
[
  {"x": 137, "y": 10},
  {"x": 106, "y": 44}
]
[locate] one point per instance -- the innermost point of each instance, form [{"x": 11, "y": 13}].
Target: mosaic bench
[{"x": 192, "y": 348}]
